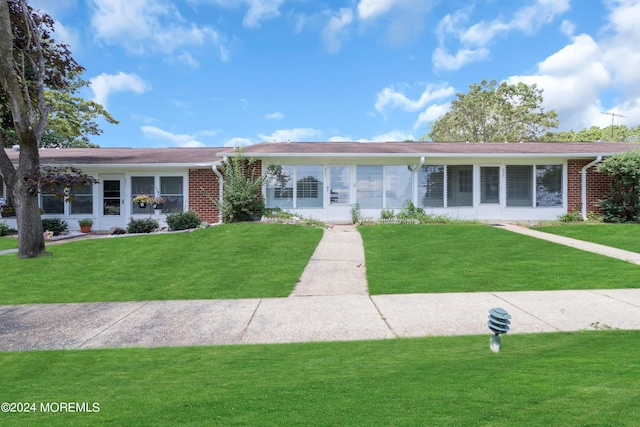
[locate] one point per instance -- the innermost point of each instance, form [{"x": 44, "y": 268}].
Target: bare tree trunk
[{"x": 25, "y": 199}]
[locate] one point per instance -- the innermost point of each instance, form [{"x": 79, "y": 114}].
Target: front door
[
  {"x": 339, "y": 193},
  {"x": 490, "y": 206},
  {"x": 112, "y": 203}
]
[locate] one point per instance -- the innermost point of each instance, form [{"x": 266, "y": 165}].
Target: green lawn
[
  {"x": 622, "y": 236},
  {"x": 229, "y": 261},
  {"x": 467, "y": 258},
  {"x": 563, "y": 379},
  {"x": 8, "y": 243}
]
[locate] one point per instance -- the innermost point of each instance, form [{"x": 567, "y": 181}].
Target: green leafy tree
[
  {"x": 72, "y": 119},
  {"x": 618, "y": 133},
  {"x": 31, "y": 61},
  {"x": 623, "y": 202},
  {"x": 494, "y": 113},
  {"x": 242, "y": 198}
]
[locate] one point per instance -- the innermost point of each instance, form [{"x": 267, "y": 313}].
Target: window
[
  {"x": 340, "y": 188},
  {"x": 548, "y": 185},
  {"x": 81, "y": 200},
  {"x": 519, "y": 186},
  {"x": 280, "y": 188},
  {"x": 398, "y": 186},
  {"x": 309, "y": 185},
  {"x": 52, "y": 204},
  {"x": 490, "y": 184},
  {"x": 431, "y": 186},
  {"x": 460, "y": 185},
  {"x": 369, "y": 187},
  {"x": 171, "y": 190},
  {"x": 142, "y": 185}
]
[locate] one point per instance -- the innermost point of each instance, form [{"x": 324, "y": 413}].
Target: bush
[
  {"x": 55, "y": 225},
  {"x": 146, "y": 225},
  {"x": 4, "y": 228},
  {"x": 571, "y": 217},
  {"x": 387, "y": 214},
  {"x": 183, "y": 220}
]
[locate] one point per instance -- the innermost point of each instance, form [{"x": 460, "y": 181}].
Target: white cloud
[
  {"x": 257, "y": 10},
  {"x": 472, "y": 40},
  {"x": 620, "y": 51},
  {"x": 260, "y": 10},
  {"x": 153, "y": 132},
  {"x": 336, "y": 29},
  {"x": 106, "y": 84},
  {"x": 443, "y": 60},
  {"x": 393, "y": 136},
  {"x": 572, "y": 79},
  {"x": 404, "y": 19},
  {"x": 150, "y": 25},
  {"x": 370, "y": 9},
  {"x": 568, "y": 28},
  {"x": 431, "y": 114},
  {"x": 238, "y": 142},
  {"x": 390, "y": 97},
  {"x": 292, "y": 135},
  {"x": 274, "y": 116},
  {"x": 340, "y": 139},
  {"x": 188, "y": 59}
]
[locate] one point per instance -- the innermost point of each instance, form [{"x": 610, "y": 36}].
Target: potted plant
[
  {"x": 142, "y": 200},
  {"x": 7, "y": 211},
  {"x": 85, "y": 224},
  {"x": 158, "y": 202}
]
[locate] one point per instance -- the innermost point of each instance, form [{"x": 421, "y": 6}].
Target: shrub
[
  {"x": 183, "y": 220},
  {"x": 571, "y": 217},
  {"x": 242, "y": 189},
  {"x": 4, "y": 228},
  {"x": 623, "y": 201},
  {"x": 55, "y": 225},
  {"x": 387, "y": 214},
  {"x": 356, "y": 216},
  {"x": 145, "y": 225}
]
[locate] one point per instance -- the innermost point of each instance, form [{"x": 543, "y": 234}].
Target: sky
[{"x": 215, "y": 73}]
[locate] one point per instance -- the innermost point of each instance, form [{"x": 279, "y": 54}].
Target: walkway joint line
[
  {"x": 525, "y": 311},
  {"x": 383, "y": 317},
  {"x": 111, "y": 325}
]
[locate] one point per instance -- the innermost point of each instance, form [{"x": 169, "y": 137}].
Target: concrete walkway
[
  {"x": 323, "y": 307},
  {"x": 632, "y": 257},
  {"x": 337, "y": 265}
]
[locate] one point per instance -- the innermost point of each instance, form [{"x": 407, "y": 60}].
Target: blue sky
[{"x": 238, "y": 72}]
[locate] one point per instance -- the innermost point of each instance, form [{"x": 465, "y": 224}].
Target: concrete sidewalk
[
  {"x": 304, "y": 319},
  {"x": 632, "y": 257},
  {"x": 330, "y": 303}
]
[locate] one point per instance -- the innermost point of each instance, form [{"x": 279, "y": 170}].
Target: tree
[
  {"x": 243, "y": 183},
  {"x": 618, "y": 133},
  {"x": 72, "y": 119},
  {"x": 623, "y": 202},
  {"x": 30, "y": 61},
  {"x": 494, "y": 113}
]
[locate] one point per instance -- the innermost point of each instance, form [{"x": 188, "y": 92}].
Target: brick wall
[
  {"x": 597, "y": 186},
  {"x": 203, "y": 183}
]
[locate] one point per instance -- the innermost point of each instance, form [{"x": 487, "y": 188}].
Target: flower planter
[
  {"x": 142, "y": 205},
  {"x": 158, "y": 206},
  {"x": 85, "y": 228}
]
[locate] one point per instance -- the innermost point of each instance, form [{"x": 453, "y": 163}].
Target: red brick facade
[
  {"x": 597, "y": 186},
  {"x": 204, "y": 185}
]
